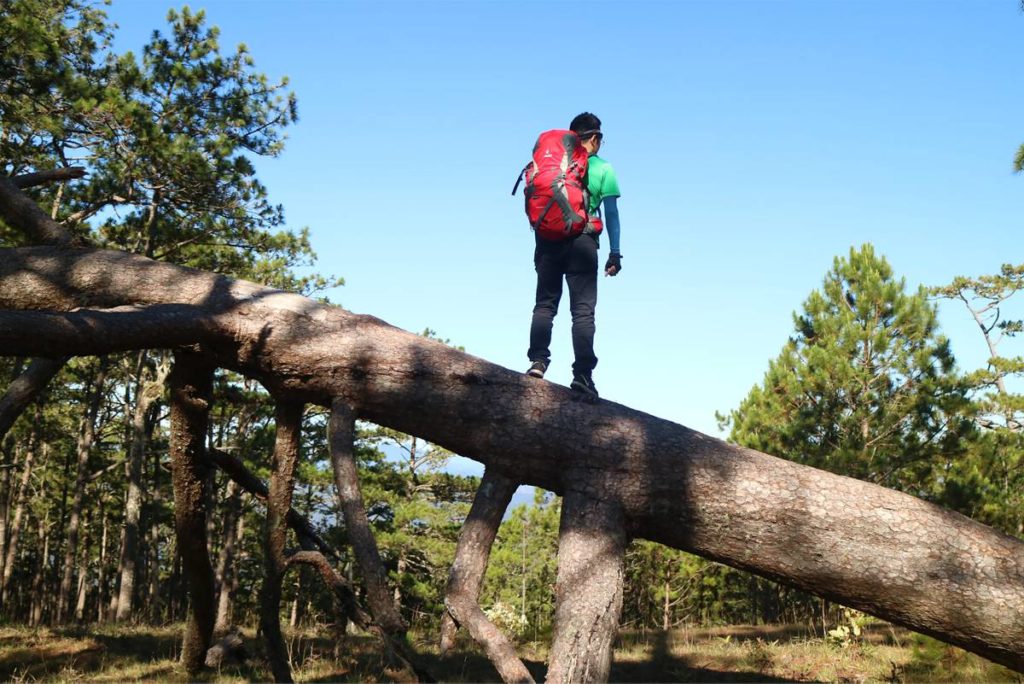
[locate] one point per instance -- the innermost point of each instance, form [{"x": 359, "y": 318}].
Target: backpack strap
[{"x": 520, "y": 179}]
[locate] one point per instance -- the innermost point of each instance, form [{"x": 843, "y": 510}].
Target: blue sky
[{"x": 754, "y": 142}]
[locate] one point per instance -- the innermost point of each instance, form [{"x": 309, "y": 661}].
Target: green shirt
[{"x": 601, "y": 181}]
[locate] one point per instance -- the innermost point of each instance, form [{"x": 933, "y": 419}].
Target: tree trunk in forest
[
  {"x": 155, "y": 541},
  {"x": 83, "y": 569},
  {"x": 467, "y": 575},
  {"x": 288, "y": 418},
  {"x": 300, "y": 604},
  {"x": 226, "y": 559},
  {"x": 101, "y": 572},
  {"x": 588, "y": 590},
  {"x": 295, "y": 614},
  {"x": 191, "y": 394},
  {"x": 86, "y": 436},
  {"x": 871, "y": 548},
  {"x": 20, "y": 500},
  {"x": 147, "y": 392},
  {"x": 39, "y": 576},
  {"x": 666, "y": 613},
  {"x": 172, "y": 590},
  {"x": 8, "y": 456}
]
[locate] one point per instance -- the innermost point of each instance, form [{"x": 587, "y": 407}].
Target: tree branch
[
  {"x": 467, "y": 575},
  {"x": 19, "y": 211},
  {"x": 341, "y": 436},
  {"x": 236, "y": 470},
  {"x": 26, "y": 387},
  {"x": 103, "y": 331},
  {"x": 394, "y": 648},
  {"x": 28, "y": 180}
]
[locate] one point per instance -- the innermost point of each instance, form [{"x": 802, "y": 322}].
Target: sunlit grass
[{"x": 115, "y": 653}]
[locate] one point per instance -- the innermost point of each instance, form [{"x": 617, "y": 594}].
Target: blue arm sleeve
[{"x": 610, "y": 209}]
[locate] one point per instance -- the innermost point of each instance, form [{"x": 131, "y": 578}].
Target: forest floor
[{"x": 725, "y": 654}]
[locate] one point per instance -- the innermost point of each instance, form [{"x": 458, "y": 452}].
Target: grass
[{"x": 110, "y": 653}]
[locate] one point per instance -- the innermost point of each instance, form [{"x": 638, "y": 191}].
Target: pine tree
[
  {"x": 865, "y": 387},
  {"x": 988, "y": 484}
]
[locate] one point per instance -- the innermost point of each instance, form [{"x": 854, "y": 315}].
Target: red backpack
[{"x": 556, "y": 190}]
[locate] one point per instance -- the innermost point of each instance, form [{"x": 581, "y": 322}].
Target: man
[{"x": 575, "y": 259}]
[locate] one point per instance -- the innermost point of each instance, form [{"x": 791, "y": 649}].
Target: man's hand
[{"x": 613, "y": 265}]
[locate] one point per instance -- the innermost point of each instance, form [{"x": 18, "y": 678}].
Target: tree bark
[
  {"x": 588, "y": 590},
  {"x": 191, "y": 384},
  {"x": 467, "y": 575},
  {"x": 881, "y": 551},
  {"x": 341, "y": 436},
  {"x": 279, "y": 502}
]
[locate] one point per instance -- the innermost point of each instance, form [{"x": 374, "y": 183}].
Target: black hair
[{"x": 585, "y": 123}]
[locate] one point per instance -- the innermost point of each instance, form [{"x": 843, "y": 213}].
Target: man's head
[{"x": 588, "y": 127}]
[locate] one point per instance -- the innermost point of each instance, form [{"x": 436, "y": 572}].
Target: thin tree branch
[
  {"x": 236, "y": 470},
  {"x": 395, "y": 649}
]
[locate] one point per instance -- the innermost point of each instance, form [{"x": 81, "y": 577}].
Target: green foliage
[
  {"x": 509, "y": 620},
  {"x": 988, "y": 482},
  {"x": 50, "y": 48},
  {"x": 986, "y": 299},
  {"x": 865, "y": 387},
  {"x": 522, "y": 568},
  {"x": 168, "y": 140},
  {"x": 850, "y": 630}
]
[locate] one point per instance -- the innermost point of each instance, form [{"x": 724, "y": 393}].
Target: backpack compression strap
[{"x": 520, "y": 179}]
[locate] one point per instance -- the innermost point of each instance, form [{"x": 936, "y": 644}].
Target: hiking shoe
[
  {"x": 583, "y": 383},
  {"x": 537, "y": 369}
]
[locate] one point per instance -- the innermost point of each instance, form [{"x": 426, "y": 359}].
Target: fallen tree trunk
[{"x": 875, "y": 549}]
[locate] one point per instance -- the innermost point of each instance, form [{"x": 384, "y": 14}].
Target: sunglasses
[{"x": 594, "y": 133}]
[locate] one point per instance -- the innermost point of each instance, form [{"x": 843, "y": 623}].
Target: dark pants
[{"x": 576, "y": 261}]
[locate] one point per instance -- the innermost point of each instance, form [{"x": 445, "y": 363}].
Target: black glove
[{"x": 613, "y": 265}]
